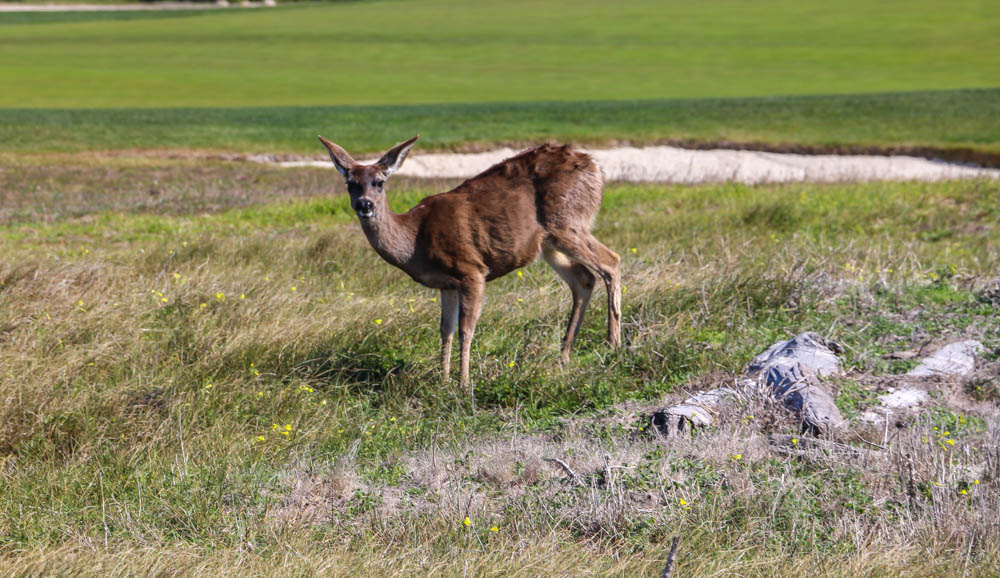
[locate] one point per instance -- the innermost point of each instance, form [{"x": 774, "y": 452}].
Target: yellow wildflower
[
  {"x": 261, "y": 438},
  {"x": 467, "y": 521},
  {"x": 737, "y": 457},
  {"x": 520, "y": 273},
  {"x": 203, "y": 305},
  {"x": 294, "y": 288},
  {"x": 220, "y": 296},
  {"x": 634, "y": 250},
  {"x": 243, "y": 295},
  {"x": 378, "y": 322},
  {"x": 963, "y": 492},
  {"x": 494, "y": 529},
  {"x": 511, "y": 364}
]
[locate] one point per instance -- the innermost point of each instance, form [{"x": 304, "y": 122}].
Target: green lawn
[
  {"x": 941, "y": 120},
  {"x": 435, "y": 51},
  {"x": 849, "y": 74}
]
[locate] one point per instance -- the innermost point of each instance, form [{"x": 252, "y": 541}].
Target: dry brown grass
[{"x": 130, "y": 423}]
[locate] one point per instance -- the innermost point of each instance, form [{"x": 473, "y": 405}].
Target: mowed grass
[
  {"x": 449, "y": 51},
  {"x": 940, "y": 120},
  {"x": 897, "y": 75},
  {"x": 241, "y": 383}
]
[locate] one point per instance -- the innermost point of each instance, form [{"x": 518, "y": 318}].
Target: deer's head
[{"x": 366, "y": 183}]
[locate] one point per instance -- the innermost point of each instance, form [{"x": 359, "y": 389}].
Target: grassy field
[
  {"x": 828, "y": 75},
  {"x": 436, "y": 51},
  {"x": 945, "y": 120},
  {"x": 205, "y": 367}
]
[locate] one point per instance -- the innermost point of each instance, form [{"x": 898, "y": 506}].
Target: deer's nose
[{"x": 364, "y": 207}]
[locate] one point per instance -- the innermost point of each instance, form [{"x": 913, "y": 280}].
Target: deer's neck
[{"x": 392, "y": 236}]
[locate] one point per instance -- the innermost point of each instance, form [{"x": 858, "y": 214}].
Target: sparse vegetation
[{"x": 206, "y": 368}]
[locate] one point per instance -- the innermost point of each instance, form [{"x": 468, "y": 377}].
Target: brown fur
[{"x": 540, "y": 201}]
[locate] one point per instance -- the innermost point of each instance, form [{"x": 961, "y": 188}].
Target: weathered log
[{"x": 790, "y": 369}]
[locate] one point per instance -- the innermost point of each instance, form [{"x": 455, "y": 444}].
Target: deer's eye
[{"x": 378, "y": 184}]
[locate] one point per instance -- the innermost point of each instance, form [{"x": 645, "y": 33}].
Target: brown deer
[{"x": 543, "y": 200}]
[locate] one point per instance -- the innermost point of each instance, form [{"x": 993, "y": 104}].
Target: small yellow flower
[
  {"x": 260, "y": 394},
  {"x": 203, "y": 305},
  {"x": 963, "y": 492},
  {"x": 243, "y": 295},
  {"x": 323, "y": 402},
  {"x": 520, "y": 273},
  {"x": 494, "y": 529},
  {"x": 519, "y": 300},
  {"x": 288, "y": 427},
  {"x": 634, "y": 250},
  {"x": 274, "y": 427},
  {"x": 392, "y": 419},
  {"x": 261, "y": 438},
  {"x": 177, "y": 275},
  {"x": 220, "y": 296},
  {"x": 378, "y": 322},
  {"x": 266, "y": 278},
  {"x": 208, "y": 386},
  {"x": 285, "y": 433},
  {"x": 950, "y": 442},
  {"x": 737, "y": 457},
  {"x": 511, "y": 364},
  {"x": 294, "y": 288},
  {"x": 163, "y": 299},
  {"x": 795, "y": 441},
  {"x": 683, "y": 502},
  {"x": 80, "y": 303},
  {"x": 467, "y": 521},
  {"x": 976, "y": 482}
]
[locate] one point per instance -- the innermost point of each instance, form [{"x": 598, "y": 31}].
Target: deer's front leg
[
  {"x": 471, "y": 304},
  {"x": 449, "y": 321}
]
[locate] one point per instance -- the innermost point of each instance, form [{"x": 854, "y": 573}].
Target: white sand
[
  {"x": 154, "y": 6},
  {"x": 675, "y": 165}
]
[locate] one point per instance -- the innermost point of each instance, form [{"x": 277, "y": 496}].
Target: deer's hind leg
[
  {"x": 449, "y": 321},
  {"x": 584, "y": 248},
  {"x": 470, "y": 306},
  {"x": 581, "y": 284}
]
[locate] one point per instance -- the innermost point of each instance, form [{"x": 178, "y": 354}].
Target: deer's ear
[
  {"x": 341, "y": 159},
  {"x": 394, "y": 157}
]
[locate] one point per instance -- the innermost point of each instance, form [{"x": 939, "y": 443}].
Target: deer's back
[{"x": 496, "y": 222}]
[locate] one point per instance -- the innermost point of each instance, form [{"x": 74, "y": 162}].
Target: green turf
[
  {"x": 944, "y": 119},
  {"x": 433, "y": 51}
]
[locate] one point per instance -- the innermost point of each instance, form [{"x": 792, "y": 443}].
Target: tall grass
[{"x": 240, "y": 383}]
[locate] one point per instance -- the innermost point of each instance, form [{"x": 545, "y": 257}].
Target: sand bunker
[{"x": 665, "y": 164}]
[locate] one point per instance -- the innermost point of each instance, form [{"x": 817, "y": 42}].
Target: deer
[{"x": 541, "y": 201}]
